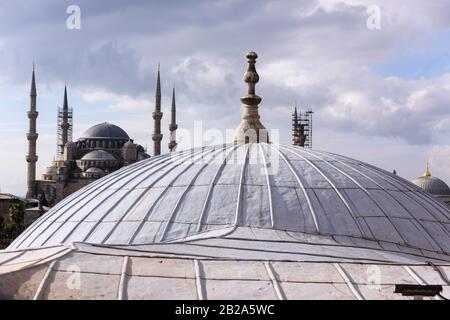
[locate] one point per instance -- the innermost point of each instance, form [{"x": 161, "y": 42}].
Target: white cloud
[{"x": 116, "y": 102}]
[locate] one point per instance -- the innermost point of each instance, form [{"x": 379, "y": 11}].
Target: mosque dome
[
  {"x": 105, "y": 130},
  {"x": 291, "y": 189},
  {"x": 432, "y": 185},
  {"x": 98, "y": 155},
  {"x": 94, "y": 170}
]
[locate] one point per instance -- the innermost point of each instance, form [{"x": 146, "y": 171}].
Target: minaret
[
  {"x": 173, "y": 123},
  {"x": 294, "y": 126},
  {"x": 65, "y": 119},
  {"x": 298, "y": 130},
  {"x": 251, "y": 129},
  {"x": 157, "y": 115},
  {"x": 32, "y": 136}
]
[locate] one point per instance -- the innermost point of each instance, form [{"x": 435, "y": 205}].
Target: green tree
[
  {"x": 17, "y": 215},
  {"x": 2, "y": 226}
]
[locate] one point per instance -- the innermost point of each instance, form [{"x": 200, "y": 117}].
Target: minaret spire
[
  {"x": 65, "y": 119},
  {"x": 173, "y": 123},
  {"x": 32, "y": 136},
  {"x": 294, "y": 125},
  {"x": 64, "y": 125},
  {"x": 157, "y": 115},
  {"x": 251, "y": 129}
]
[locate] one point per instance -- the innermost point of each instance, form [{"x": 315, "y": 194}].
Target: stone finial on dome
[{"x": 251, "y": 129}]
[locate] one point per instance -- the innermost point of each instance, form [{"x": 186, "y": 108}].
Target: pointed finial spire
[
  {"x": 158, "y": 82},
  {"x": 65, "y": 103},
  {"x": 157, "y": 116},
  {"x": 251, "y": 129},
  {"x": 173, "y": 123},
  {"x": 427, "y": 171},
  {"x": 33, "y": 92}
]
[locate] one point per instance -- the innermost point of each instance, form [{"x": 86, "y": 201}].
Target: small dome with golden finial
[{"x": 431, "y": 184}]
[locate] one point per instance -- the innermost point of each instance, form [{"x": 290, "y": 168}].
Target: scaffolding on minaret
[
  {"x": 298, "y": 132},
  {"x": 306, "y": 120},
  {"x": 60, "y": 136},
  {"x": 64, "y": 125}
]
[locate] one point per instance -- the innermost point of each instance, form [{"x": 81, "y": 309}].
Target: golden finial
[{"x": 427, "y": 171}]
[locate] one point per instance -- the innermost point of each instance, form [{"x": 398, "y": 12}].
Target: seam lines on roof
[
  {"x": 87, "y": 193},
  {"x": 334, "y": 187},
  {"x": 362, "y": 188},
  {"x": 428, "y": 237},
  {"x": 115, "y": 204},
  {"x": 40, "y": 289},
  {"x": 266, "y": 171},
  {"x": 210, "y": 189},
  {"x": 415, "y": 276},
  {"x": 241, "y": 187},
  {"x": 198, "y": 280},
  {"x": 278, "y": 290},
  {"x": 308, "y": 200},
  {"x": 141, "y": 195},
  {"x": 121, "y": 293},
  {"x": 346, "y": 278},
  {"x": 420, "y": 196},
  {"x": 161, "y": 194},
  {"x": 188, "y": 187}
]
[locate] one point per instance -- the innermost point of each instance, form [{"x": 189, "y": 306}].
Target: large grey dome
[
  {"x": 202, "y": 191},
  {"x": 105, "y": 130},
  {"x": 433, "y": 185}
]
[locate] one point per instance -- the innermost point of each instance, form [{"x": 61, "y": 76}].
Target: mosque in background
[
  {"x": 105, "y": 148},
  {"x": 434, "y": 186},
  {"x": 102, "y": 149}
]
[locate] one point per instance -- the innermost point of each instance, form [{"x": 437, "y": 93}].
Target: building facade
[{"x": 102, "y": 149}]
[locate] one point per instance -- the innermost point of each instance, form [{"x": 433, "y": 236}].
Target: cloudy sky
[{"x": 381, "y": 95}]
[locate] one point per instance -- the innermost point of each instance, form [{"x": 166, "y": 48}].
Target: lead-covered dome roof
[
  {"x": 99, "y": 155},
  {"x": 105, "y": 130},
  {"x": 201, "y": 191},
  {"x": 433, "y": 185}
]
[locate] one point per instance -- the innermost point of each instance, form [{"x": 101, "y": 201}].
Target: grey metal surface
[
  {"x": 98, "y": 155},
  {"x": 433, "y": 185},
  {"x": 105, "y": 130},
  {"x": 193, "y": 192},
  {"x": 82, "y": 271}
]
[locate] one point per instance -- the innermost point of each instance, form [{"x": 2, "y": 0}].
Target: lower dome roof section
[
  {"x": 248, "y": 263},
  {"x": 204, "y": 192}
]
